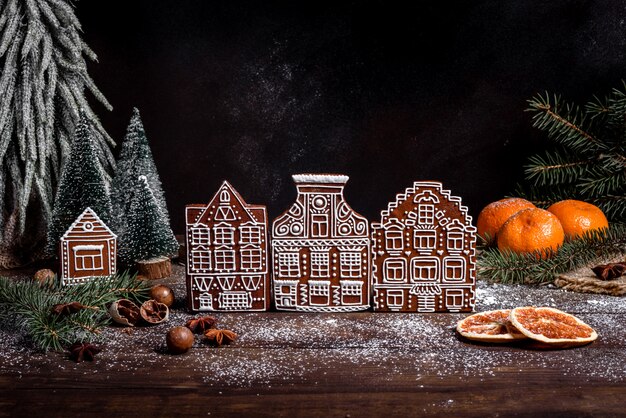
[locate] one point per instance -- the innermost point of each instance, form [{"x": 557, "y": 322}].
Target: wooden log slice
[{"x": 156, "y": 268}]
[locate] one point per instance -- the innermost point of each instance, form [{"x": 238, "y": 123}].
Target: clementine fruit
[
  {"x": 578, "y": 217},
  {"x": 531, "y": 230},
  {"x": 495, "y": 214},
  {"x": 552, "y": 327},
  {"x": 489, "y": 327}
]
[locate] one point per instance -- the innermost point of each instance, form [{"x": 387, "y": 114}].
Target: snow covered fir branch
[{"x": 42, "y": 89}]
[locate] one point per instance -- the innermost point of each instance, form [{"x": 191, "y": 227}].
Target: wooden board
[{"x": 320, "y": 364}]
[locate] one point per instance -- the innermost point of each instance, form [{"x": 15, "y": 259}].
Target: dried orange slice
[
  {"x": 489, "y": 327},
  {"x": 552, "y": 327}
]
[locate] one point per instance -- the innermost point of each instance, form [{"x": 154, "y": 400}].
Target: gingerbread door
[
  {"x": 424, "y": 253},
  {"x": 321, "y": 250},
  {"x": 227, "y": 267}
]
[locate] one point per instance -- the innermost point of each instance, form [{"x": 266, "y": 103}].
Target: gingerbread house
[
  {"x": 88, "y": 250},
  {"x": 424, "y": 253},
  {"x": 321, "y": 250},
  {"x": 227, "y": 267}
]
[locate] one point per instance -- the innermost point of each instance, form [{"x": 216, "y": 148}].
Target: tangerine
[
  {"x": 552, "y": 327},
  {"x": 578, "y": 217},
  {"x": 489, "y": 327},
  {"x": 495, "y": 214},
  {"x": 531, "y": 230}
]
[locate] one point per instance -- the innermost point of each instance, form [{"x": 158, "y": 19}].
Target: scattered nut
[
  {"x": 154, "y": 312},
  {"x": 163, "y": 294},
  {"x": 124, "y": 312},
  {"x": 179, "y": 340},
  {"x": 45, "y": 277}
]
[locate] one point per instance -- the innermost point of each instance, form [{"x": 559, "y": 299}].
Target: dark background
[{"x": 387, "y": 93}]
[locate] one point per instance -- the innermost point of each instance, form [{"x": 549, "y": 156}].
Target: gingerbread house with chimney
[
  {"x": 424, "y": 250},
  {"x": 321, "y": 250},
  {"x": 227, "y": 268},
  {"x": 88, "y": 250}
]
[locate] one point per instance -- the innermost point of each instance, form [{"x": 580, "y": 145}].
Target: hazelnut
[
  {"x": 179, "y": 340},
  {"x": 162, "y": 294}
]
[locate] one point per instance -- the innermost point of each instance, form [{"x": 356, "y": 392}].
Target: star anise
[
  {"x": 610, "y": 271},
  {"x": 220, "y": 336},
  {"x": 201, "y": 325},
  {"x": 64, "y": 309},
  {"x": 83, "y": 351}
]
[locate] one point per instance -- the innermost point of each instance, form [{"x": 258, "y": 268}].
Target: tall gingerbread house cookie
[
  {"x": 88, "y": 250},
  {"x": 321, "y": 250},
  {"x": 227, "y": 267},
  {"x": 424, "y": 253}
]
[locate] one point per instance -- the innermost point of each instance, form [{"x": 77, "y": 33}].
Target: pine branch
[
  {"x": 28, "y": 307},
  {"x": 566, "y": 126},
  {"x": 554, "y": 168},
  {"x": 592, "y": 248}
]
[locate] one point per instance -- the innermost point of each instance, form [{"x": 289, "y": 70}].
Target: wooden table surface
[{"x": 357, "y": 364}]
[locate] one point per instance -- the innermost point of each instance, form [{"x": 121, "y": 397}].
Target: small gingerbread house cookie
[
  {"x": 321, "y": 250},
  {"x": 227, "y": 254},
  {"x": 88, "y": 250},
  {"x": 424, "y": 253}
]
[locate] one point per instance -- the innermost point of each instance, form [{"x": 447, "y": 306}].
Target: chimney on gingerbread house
[
  {"x": 321, "y": 250},
  {"x": 88, "y": 250}
]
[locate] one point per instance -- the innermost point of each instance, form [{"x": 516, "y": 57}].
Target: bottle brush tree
[
  {"x": 135, "y": 160},
  {"x": 42, "y": 87},
  {"x": 148, "y": 234},
  {"x": 82, "y": 184}
]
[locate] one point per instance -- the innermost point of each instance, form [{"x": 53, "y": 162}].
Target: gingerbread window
[
  {"x": 200, "y": 259},
  {"x": 424, "y": 239},
  {"x": 424, "y": 268},
  {"x": 394, "y": 270},
  {"x": 200, "y": 235},
  {"x": 320, "y": 264},
  {"x": 455, "y": 240},
  {"x": 224, "y": 235},
  {"x": 426, "y": 214},
  {"x": 394, "y": 239},
  {"x": 289, "y": 264},
  {"x": 454, "y": 268},
  {"x": 251, "y": 259},
  {"x": 249, "y": 234},
  {"x": 88, "y": 257},
  {"x": 224, "y": 260},
  {"x": 350, "y": 264}
]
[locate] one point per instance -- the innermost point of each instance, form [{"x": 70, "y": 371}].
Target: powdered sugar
[{"x": 292, "y": 348}]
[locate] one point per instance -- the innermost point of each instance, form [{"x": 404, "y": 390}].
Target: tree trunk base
[{"x": 156, "y": 268}]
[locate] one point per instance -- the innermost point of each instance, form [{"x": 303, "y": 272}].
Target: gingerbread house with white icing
[
  {"x": 321, "y": 250},
  {"x": 227, "y": 268},
  {"x": 424, "y": 253},
  {"x": 88, "y": 250}
]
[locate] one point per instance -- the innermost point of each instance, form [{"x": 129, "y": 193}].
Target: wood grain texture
[{"x": 356, "y": 364}]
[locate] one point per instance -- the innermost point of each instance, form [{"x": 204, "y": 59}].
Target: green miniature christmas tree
[
  {"x": 135, "y": 160},
  {"x": 148, "y": 234},
  {"x": 82, "y": 184},
  {"x": 43, "y": 84},
  {"x": 589, "y": 160}
]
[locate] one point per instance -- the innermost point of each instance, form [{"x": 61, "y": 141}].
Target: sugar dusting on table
[{"x": 311, "y": 348}]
